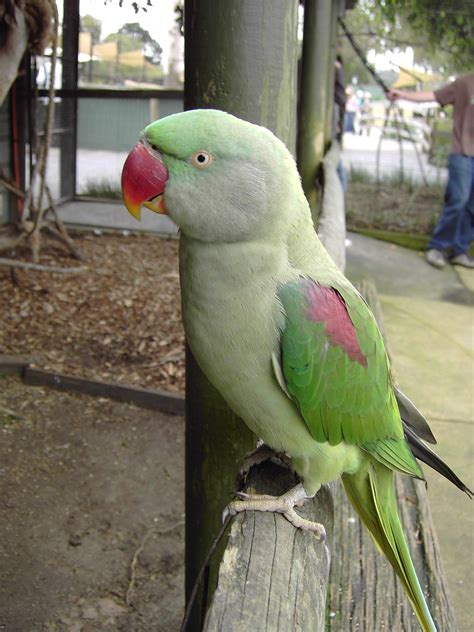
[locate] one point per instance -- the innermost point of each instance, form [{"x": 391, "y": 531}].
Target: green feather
[
  {"x": 339, "y": 398},
  {"x": 371, "y": 491}
]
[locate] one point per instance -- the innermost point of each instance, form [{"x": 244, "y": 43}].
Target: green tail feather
[{"x": 372, "y": 493}]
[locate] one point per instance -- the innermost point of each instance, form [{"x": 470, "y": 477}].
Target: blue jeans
[{"x": 455, "y": 228}]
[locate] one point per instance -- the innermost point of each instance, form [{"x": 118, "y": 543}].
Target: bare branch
[
  {"x": 11, "y": 186},
  {"x": 13, "y": 263}
]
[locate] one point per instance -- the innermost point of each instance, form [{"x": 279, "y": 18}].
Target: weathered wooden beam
[
  {"x": 332, "y": 220},
  {"x": 145, "y": 398},
  {"x": 273, "y": 577},
  {"x": 363, "y": 592},
  {"x": 14, "y": 365}
]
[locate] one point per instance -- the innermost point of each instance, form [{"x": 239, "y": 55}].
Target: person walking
[
  {"x": 352, "y": 110},
  {"x": 454, "y": 231}
]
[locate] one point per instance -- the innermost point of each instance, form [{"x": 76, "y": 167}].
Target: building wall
[{"x": 114, "y": 124}]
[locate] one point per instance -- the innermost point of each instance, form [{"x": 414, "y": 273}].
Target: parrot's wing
[{"x": 335, "y": 368}]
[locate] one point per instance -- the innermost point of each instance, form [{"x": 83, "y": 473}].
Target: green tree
[
  {"x": 91, "y": 25},
  {"x": 439, "y": 31},
  {"x": 443, "y": 25},
  {"x": 132, "y": 36}
]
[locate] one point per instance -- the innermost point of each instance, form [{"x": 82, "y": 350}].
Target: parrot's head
[{"x": 218, "y": 177}]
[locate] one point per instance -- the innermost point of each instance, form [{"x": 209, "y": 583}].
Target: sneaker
[
  {"x": 435, "y": 257},
  {"x": 463, "y": 260}
]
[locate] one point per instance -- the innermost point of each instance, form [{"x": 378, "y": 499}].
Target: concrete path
[
  {"x": 113, "y": 216},
  {"x": 429, "y": 321}
]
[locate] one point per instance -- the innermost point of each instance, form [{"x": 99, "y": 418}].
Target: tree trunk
[
  {"x": 241, "y": 57},
  {"x": 12, "y": 50}
]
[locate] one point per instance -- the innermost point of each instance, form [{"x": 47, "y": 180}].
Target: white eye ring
[{"x": 201, "y": 159}]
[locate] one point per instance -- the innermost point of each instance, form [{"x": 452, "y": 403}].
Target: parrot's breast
[{"x": 233, "y": 320}]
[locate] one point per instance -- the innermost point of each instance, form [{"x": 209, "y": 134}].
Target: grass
[
  {"x": 407, "y": 240},
  {"x": 394, "y": 179},
  {"x": 103, "y": 189}
]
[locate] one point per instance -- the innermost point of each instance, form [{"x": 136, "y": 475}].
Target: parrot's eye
[{"x": 201, "y": 159}]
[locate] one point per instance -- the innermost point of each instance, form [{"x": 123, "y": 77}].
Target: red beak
[{"x": 144, "y": 177}]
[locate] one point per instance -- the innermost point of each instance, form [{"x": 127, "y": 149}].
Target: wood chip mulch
[{"x": 119, "y": 321}]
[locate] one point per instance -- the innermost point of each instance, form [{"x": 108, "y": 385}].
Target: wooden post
[
  {"x": 68, "y": 149},
  {"x": 329, "y": 131},
  {"x": 241, "y": 57},
  {"x": 273, "y": 577},
  {"x": 314, "y": 94}
]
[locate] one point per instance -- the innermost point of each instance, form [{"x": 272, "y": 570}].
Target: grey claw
[{"x": 242, "y": 495}]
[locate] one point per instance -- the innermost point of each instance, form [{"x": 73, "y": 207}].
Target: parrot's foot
[{"x": 284, "y": 504}]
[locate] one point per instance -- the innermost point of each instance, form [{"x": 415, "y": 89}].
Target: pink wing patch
[{"x": 327, "y": 306}]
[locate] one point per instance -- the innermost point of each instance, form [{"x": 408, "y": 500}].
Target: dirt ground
[
  {"x": 401, "y": 209},
  {"x": 91, "y": 514},
  {"x": 91, "y": 498}
]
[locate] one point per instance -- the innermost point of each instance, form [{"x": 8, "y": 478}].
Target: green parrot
[{"x": 277, "y": 328}]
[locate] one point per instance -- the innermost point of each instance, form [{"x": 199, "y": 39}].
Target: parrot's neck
[
  {"x": 238, "y": 279},
  {"x": 307, "y": 253},
  {"x": 229, "y": 300},
  {"x": 231, "y": 268}
]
